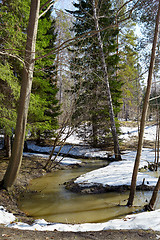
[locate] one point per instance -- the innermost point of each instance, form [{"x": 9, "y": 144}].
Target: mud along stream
[{"x": 46, "y": 198}]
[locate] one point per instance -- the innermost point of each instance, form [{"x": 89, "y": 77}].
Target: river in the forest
[{"x": 47, "y": 198}]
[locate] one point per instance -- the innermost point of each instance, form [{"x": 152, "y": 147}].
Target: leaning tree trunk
[
  {"x": 150, "y": 206},
  {"x": 17, "y": 151},
  {"x": 109, "y": 98},
  {"x": 144, "y": 112}
]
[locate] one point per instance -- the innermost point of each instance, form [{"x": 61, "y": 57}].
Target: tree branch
[
  {"x": 154, "y": 98},
  {"x": 129, "y": 11},
  {"x": 67, "y": 43},
  {"x": 46, "y": 10},
  {"x": 12, "y": 55},
  {"x": 123, "y": 6},
  {"x": 83, "y": 36},
  {"x": 45, "y": 4}
]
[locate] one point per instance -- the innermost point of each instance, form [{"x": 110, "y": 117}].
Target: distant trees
[
  {"x": 129, "y": 72},
  {"x": 63, "y": 27}
]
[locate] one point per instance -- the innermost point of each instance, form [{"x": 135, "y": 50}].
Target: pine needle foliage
[{"x": 87, "y": 72}]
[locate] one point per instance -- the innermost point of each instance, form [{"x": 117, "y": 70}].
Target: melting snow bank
[
  {"x": 75, "y": 153},
  {"x": 5, "y": 217},
  {"x": 116, "y": 176},
  {"x": 145, "y": 221},
  {"x": 59, "y": 159},
  {"x": 130, "y": 132},
  {"x": 70, "y": 150}
]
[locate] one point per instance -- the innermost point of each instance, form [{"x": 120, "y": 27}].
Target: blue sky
[{"x": 64, "y": 4}]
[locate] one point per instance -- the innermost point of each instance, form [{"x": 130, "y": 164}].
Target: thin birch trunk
[
  {"x": 144, "y": 112},
  {"x": 156, "y": 168},
  {"x": 109, "y": 98},
  {"x": 155, "y": 160}
]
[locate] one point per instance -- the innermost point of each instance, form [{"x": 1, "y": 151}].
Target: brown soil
[
  {"x": 99, "y": 188},
  {"x": 14, "y": 234},
  {"x": 32, "y": 167}
]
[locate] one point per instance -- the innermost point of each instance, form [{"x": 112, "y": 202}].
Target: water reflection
[{"x": 53, "y": 202}]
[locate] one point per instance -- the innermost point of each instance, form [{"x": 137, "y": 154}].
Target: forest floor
[{"x": 32, "y": 167}]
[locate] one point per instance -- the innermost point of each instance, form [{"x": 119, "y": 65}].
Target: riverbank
[{"x": 32, "y": 168}]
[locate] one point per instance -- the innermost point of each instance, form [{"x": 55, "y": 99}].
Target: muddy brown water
[{"x": 48, "y": 199}]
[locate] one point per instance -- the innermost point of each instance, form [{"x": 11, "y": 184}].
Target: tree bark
[
  {"x": 7, "y": 147},
  {"x": 94, "y": 132},
  {"x": 150, "y": 206},
  {"x": 109, "y": 98},
  {"x": 17, "y": 151},
  {"x": 144, "y": 112}
]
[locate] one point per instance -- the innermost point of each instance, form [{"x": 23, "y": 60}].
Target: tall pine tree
[{"x": 91, "y": 107}]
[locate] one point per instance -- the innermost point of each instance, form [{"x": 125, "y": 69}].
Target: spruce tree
[
  {"x": 44, "y": 107},
  {"x": 91, "y": 107},
  {"x": 14, "y": 17}
]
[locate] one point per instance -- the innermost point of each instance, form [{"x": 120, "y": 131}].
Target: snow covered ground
[
  {"x": 114, "y": 174},
  {"x": 78, "y": 151},
  {"x": 144, "y": 220},
  {"x": 120, "y": 173},
  {"x": 149, "y": 133}
]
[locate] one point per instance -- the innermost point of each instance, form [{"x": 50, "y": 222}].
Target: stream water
[{"x": 47, "y": 198}]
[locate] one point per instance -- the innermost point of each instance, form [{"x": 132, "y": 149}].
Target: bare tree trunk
[
  {"x": 144, "y": 112},
  {"x": 157, "y": 132},
  {"x": 94, "y": 131},
  {"x": 17, "y": 151},
  {"x": 150, "y": 206},
  {"x": 7, "y": 141},
  {"x": 110, "y": 105},
  {"x": 138, "y": 103},
  {"x": 157, "y": 160}
]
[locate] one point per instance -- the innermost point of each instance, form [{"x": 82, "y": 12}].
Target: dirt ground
[
  {"x": 32, "y": 167},
  {"x": 14, "y": 234}
]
